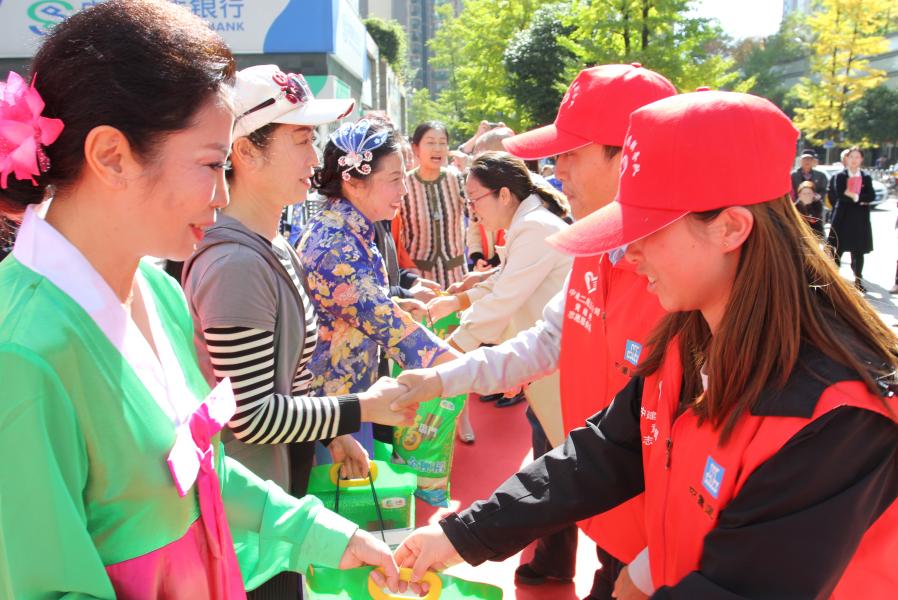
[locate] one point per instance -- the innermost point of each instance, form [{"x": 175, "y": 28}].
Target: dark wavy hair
[
  {"x": 422, "y": 129},
  {"x": 328, "y": 180},
  {"x": 144, "y": 67},
  {"x": 496, "y": 170}
]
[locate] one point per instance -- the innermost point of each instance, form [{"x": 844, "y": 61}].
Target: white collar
[
  {"x": 527, "y": 205},
  {"x": 44, "y": 250}
]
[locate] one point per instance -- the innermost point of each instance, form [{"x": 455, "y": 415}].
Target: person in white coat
[{"x": 502, "y": 194}]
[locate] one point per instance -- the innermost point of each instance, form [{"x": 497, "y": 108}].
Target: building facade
[
  {"x": 420, "y": 21},
  {"x": 325, "y": 40}
]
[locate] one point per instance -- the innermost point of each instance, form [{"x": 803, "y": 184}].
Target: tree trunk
[
  {"x": 646, "y": 6},
  {"x": 625, "y": 13},
  {"x": 844, "y": 95}
]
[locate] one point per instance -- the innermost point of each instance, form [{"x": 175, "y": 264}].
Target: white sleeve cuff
[
  {"x": 456, "y": 375},
  {"x": 641, "y": 573}
]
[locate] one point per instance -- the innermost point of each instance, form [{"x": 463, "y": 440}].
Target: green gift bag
[
  {"x": 354, "y": 584},
  {"x": 427, "y": 446},
  {"x": 384, "y": 502}
]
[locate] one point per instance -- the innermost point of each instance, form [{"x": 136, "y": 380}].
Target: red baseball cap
[
  {"x": 676, "y": 159},
  {"x": 595, "y": 110}
]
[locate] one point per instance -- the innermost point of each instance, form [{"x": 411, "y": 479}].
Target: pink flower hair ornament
[
  {"x": 355, "y": 140},
  {"x": 23, "y": 131}
]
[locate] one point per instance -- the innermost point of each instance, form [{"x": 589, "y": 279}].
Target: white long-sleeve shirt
[{"x": 531, "y": 354}]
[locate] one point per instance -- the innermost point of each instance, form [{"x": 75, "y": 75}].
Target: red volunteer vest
[
  {"x": 608, "y": 315},
  {"x": 485, "y": 242},
  {"x": 690, "y": 479}
]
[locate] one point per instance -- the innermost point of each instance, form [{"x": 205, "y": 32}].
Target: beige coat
[{"x": 512, "y": 300}]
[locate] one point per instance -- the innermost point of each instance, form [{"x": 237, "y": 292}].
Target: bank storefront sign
[{"x": 248, "y": 26}]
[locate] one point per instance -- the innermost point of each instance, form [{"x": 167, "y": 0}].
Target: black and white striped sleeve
[{"x": 246, "y": 355}]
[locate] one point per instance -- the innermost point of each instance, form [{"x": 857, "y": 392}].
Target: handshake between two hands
[{"x": 394, "y": 402}]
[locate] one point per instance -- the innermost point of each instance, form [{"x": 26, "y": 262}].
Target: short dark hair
[
  {"x": 144, "y": 67},
  {"x": 328, "y": 180}
]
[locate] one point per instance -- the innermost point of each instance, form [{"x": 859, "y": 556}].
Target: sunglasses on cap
[{"x": 293, "y": 87}]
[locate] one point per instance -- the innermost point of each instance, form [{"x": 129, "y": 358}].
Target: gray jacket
[{"x": 235, "y": 279}]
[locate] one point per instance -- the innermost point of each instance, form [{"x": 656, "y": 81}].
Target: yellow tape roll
[
  {"x": 335, "y": 476},
  {"x": 405, "y": 574}
]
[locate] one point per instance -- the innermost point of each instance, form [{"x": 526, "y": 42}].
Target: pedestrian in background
[
  {"x": 806, "y": 171},
  {"x": 810, "y": 205},
  {"x": 851, "y": 192}
]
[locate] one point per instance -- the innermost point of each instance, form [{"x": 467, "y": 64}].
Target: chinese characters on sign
[{"x": 220, "y": 15}]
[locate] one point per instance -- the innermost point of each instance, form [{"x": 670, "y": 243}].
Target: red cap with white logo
[
  {"x": 672, "y": 158},
  {"x": 595, "y": 110}
]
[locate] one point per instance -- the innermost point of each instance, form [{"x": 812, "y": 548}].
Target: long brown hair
[
  {"x": 787, "y": 292},
  {"x": 496, "y": 170}
]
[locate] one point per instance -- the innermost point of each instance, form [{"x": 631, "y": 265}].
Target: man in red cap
[{"x": 594, "y": 331}]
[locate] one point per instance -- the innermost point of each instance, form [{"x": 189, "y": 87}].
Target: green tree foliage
[
  {"x": 421, "y": 107},
  {"x": 510, "y": 60},
  {"x": 874, "y": 118},
  {"x": 758, "y": 58},
  {"x": 470, "y": 47},
  {"x": 660, "y": 34},
  {"x": 845, "y": 31},
  {"x": 391, "y": 41},
  {"x": 536, "y": 64}
]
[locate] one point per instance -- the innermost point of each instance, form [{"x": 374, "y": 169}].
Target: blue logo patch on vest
[
  {"x": 633, "y": 351},
  {"x": 713, "y": 477}
]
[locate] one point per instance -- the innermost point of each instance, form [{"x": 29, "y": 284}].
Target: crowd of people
[{"x": 709, "y": 400}]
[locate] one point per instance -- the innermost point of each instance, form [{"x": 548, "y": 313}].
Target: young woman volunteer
[
  {"x": 364, "y": 181},
  {"x": 113, "y": 483},
  {"x": 254, "y": 322},
  {"x": 761, "y": 425}
]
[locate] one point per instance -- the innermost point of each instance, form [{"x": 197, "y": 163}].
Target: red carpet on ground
[{"x": 502, "y": 447}]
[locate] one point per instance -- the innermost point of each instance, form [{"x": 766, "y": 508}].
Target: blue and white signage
[{"x": 248, "y": 26}]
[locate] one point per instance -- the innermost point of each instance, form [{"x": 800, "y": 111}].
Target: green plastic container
[
  {"x": 395, "y": 486},
  {"x": 353, "y": 584},
  {"x": 428, "y": 445}
]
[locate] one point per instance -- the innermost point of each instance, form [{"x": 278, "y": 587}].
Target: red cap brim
[
  {"x": 543, "y": 142},
  {"x": 610, "y": 227}
]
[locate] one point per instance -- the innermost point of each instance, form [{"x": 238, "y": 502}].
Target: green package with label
[
  {"x": 394, "y": 488},
  {"x": 354, "y": 584},
  {"x": 427, "y": 446}
]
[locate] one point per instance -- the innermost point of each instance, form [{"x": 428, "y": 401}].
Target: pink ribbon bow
[
  {"x": 23, "y": 131},
  {"x": 190, "y": 461}
]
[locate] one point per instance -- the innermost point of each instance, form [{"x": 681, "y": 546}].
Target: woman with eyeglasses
[
  {"x": 113, "y": 482},
  {"x": 434, "y": 227}
]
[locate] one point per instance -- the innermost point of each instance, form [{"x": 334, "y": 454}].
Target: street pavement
[{"x": 879, "y": 266}]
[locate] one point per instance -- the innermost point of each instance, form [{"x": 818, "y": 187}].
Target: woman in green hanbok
[{"x": 113, "y": 483}]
